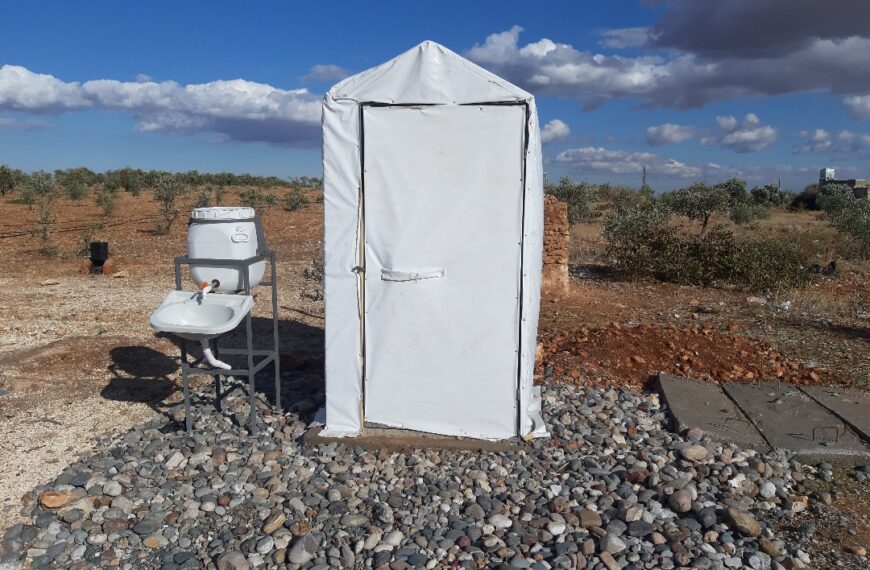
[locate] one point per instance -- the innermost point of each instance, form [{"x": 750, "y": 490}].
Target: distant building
[{"x": 860, "y": 186}]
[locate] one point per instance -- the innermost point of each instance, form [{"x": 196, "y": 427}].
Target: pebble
[{"x": 618, "y": 491}]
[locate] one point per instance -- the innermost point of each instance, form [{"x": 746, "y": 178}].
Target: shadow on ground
[{"x": 143, "y": 375}]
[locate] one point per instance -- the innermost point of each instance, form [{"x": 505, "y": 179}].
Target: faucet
[{"x": 205, "y": 287}]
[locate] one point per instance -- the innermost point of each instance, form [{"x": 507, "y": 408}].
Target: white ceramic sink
[{"x": 196, "y": 317}]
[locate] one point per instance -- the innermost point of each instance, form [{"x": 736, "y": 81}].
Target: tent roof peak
[{"x": 427, "y": 73}]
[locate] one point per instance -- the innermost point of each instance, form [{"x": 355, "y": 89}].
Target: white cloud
[
  {"x": 750, "y": 135},
  {"x": 236, "y": 109},
  {"x": 555, "y": 131},
  {"x": 859, "y": 105},
  {"x": 845, "y": 142},
  {"x": 327, "y": 72},
  {"x": 23, "y": 90},
  {"x": 599, "y": 159},
  {"x": 143, "y": 78},
  {"x": 818, "y": 140},
  {"x": 621, "y": 38},
  {"x": 669, "y": 133},
  {"x": 675, "y": 78}
]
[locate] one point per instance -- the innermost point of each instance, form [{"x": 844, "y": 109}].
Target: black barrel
[{"x": 99, "y": 252}]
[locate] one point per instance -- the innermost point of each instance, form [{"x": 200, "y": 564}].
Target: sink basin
[{"x": 183, "y": 313}]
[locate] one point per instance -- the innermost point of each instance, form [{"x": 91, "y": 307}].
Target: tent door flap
[{"x": 443, "y": 184}]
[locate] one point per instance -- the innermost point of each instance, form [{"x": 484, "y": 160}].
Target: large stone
[
  {"x": 274, "y": 522},
  {"x": 590, "y": 519},
  {"x": 694, "y": 452},
  {"x": 54, "y": 499},
  {"x": 354, "y": 520},
  {"x": 742, "y": 521},
  {"x": 303, "y": 550},
  {"x": 232, "y": 560},
  {"x": 680, "y": 501},
  {"x": 500, "y": 521},
  {"x": 612, "y": 543}
]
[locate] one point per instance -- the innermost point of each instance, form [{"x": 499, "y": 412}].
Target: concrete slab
[
  {"x": 405, "y": 440},
  {"x": 850, "y": 404},
  {"x": 705, "y": 405},
  {"x": 788, "y": 418}
]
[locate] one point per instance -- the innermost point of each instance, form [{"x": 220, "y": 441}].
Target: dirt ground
[{"x": 78, "y": 359}]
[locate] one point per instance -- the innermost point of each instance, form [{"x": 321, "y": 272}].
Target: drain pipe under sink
[{"x": 210, "y": 358}]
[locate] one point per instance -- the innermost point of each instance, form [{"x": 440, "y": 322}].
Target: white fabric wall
[{"x": 426, "y": 74}]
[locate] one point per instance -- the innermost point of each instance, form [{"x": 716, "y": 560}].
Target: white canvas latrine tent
[{"x": 433, "y": 191}]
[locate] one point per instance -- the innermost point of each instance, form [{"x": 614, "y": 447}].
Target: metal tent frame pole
[{"x": 267, "y": 356}]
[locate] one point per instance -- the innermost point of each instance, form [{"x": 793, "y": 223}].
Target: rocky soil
[{"x": 612, "y": 488}]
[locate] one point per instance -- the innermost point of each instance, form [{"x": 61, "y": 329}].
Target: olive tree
[{"x": 698, "y": 202}]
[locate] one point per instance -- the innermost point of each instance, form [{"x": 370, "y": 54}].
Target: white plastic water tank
[{"x": 223, "y": 233}]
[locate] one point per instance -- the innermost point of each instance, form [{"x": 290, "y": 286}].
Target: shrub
[
  {"x": 847, "y": 213},
  {"x": 806, "y": 200},
  {"x": 203, "y": 198},
  {"x": 75, "y": 181},
  {"x": 736, "y": 190},
  {"x": 771, "y": 195},
  {"x": 578, "y": 196},
  {"x": 769, "y": 265},
  {"x": 9, "y": 179},
  {"x": 219, "y": 193},
  {"x": 40, "y": 187},
  {"x": 747, "y": 212},
  {"x": 167, "y": 189},
  {"x": 255, "y": 198},
  {"x": 106, "y": 198},
  {"x": 698, "y": 202},
  {"x": 127, "y": 178},
  {"x": 641, "y": 243},
  {"x": 295, "y": 200}
]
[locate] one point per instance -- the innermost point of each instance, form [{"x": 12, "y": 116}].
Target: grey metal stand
[{"x": 243, "y": 265}]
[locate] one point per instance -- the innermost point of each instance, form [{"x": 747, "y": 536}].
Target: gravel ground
[{"x": 611, "y": 489}]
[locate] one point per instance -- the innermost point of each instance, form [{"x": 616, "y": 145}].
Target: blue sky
[{"x": 690, "y": 89}]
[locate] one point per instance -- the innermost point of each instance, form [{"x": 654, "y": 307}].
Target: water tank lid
[{"x": 222, "y": 213}]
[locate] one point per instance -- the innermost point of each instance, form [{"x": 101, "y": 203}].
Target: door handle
[{"x": 400, "y": 275}]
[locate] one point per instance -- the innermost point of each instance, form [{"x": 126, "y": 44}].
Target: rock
[
  {"x": 695, "y": 434},
  {"x": 694, "y": 452},
  {"x": 500, "y": 521},
  {"x": 354, "y": 520},
  {"x": 640, "y": 528},
  {"x": 742, "y": 521},
  {"x": 54, "y": 499},
  {"x": 612, "y": 544},
  {"x": 274, "y": 522},
  {"x": 590, "y": 519},
  {"x": 232, "y": 560},
  {"x": 856, "y": 550},
  {"x": 303, "y": 550},
  {"x": 175, "y": 460},
  {"x": 112, "y": 489},
  {"x": 556, "y": 528},
  {"x": 265, "y": 545},
  {"x": 608, "y": 561},
  {"x": 767, "y": 490},
  {"x": 155, "y": 541},
  {"x": 393, "y": 538},
  {"x": 680, "y": 501},
  {"x": 475, "y": 512},
  {"x": 768, "y": 547}
]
